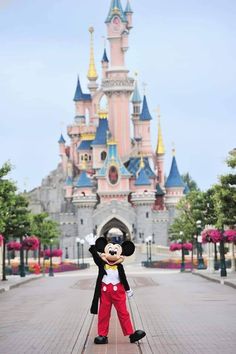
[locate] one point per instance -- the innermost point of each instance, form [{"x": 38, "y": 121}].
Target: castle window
[
  {"x": 103, "y": 155},
  {"x": 147, "y": 215},
  {"x": 82, "y": 158},
  {"x": 86, "y": 157},
  {"x": 81, "y": 221},
  {"x": 90, "y": 157}
]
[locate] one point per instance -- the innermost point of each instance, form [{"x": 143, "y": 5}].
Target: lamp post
[
  {"x": 78, "y": 242},
  {"x": 182, "y": 268},
  {"x": 51, "y": 274},
  {"x": 199, "y": 245},
  {"x": 148, "y": 241},
  {"x": 223, "y": 272},
  {"x": 82, "y": 251}
]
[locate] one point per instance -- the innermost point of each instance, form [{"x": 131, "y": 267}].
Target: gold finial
[
  {"x": 92, "y": 73},
  {"x": 173, "y": 148},
  {"x": 144, "y": 87},
  {"x": 102, "y": 113},
  {"x": 87, "y": 136},
  {"x": 160, "y": 150},
  {"x": 142, "y": 165}
]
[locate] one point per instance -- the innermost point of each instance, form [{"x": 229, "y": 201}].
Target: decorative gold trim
[{"x": 87, "y": 136}]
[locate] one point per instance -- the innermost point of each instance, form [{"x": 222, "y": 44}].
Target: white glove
[
  {"x": 129, "y": 292},
  {"x": 91, "y": 239}
]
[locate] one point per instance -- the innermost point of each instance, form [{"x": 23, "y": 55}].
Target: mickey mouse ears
[
  {"x": 100, "y": 244},
  {"x": 128, "y": 248}
]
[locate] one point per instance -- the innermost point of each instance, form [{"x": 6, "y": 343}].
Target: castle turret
[
  {"x": 118, "y": 86},
  {"x": 129, "y": 13},
  {"x": 136, "y": 101},
  {"x": 105, "y": 64},
  {"x": 174, "y": 185},
  {"x": 92, "y": 73},
  {"x": 62, "y": 148},
  {"x": 85, "y": 200},
  {"x": 82, "y": 101},
  {"x": 144, "y": 128},
  {"x": 160, "y": 153}
]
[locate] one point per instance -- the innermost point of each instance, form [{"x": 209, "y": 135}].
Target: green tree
[
  {"x": 190, "y": 209},
  {"x": 192, "y": 185},
  {"x": 44, "y": 228},
  {"x": 14, "y": 213}
]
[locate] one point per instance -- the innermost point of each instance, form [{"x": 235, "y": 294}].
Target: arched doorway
[{"x": 115, "y": 231}]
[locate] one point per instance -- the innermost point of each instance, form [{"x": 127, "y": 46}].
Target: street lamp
[
  {"x": 22, "y": 264},
  {"x": 78, "y": 242},
  {"x": 148, "y": 241},
  {"x": 223, "y": 272},
  {"x": 51, "y": 274},
  {"x": 199, "y": 245},
  {"x": 182, "y": 268},
  {"x": 82, "y": 251}
]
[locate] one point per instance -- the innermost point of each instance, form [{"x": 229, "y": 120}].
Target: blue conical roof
[
  {"x": 142, "y": 179},
  {"x": 136, "y": 96},
  {"x": 174, "y": 179},
  {"x": 79, "y": 95},
  {"x": 128, "y": 8},
  {"x": 101, "y": 132},
  {"x": 116, "y": 10},
  {"x": 145, "y": 115},
  {"x": 105, "y": 58},
  {"x": 134, "y": 165},
  {"x": 84, "y": 180},
  {"x": 61, "y": 140}
]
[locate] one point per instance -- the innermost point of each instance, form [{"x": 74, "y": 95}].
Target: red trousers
[{"x": 113, "y": 295}]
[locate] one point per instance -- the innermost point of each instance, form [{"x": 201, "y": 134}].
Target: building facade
[{"x": 109, "y": 175}]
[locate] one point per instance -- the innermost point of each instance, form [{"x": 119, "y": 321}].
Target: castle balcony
[
  {"x": 144, "y": 198},
  {"x": 118, "y": 85},
  {"x": 84, "y": 201},
  {"x": 77, "y": 130}
]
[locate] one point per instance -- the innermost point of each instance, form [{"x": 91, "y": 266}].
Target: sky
[{"x": 183, "y": 50}]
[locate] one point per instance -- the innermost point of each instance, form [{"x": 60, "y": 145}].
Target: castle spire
[
  {"x": 145, "y": 114},
  {"x": 92, "y": 73},
  {"x": 160, "y": 150},
  {"x": 116, "y": 9},
  {"x": 136, "y": 96}
]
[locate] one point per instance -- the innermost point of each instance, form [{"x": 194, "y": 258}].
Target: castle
[{"x": 109, "y": 176}]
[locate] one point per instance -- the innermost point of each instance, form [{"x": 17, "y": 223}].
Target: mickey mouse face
[{"x": 114, "y": 253}]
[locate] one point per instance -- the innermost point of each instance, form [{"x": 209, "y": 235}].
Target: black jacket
[{"x": 101, "y": 272}]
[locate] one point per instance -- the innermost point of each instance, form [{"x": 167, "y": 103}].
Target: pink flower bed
[
  {"x": 230, "y": 235},
  {"x": 178, "y": 246},
  {"x": 30, "y": 243},
  {"x": 55, "y": 253},
  {"x": 211, "y": 235},
  {"x": 1, "y": 240},
  {"x": 215, "y": 235},
  {"x": 13, "y": 246}
]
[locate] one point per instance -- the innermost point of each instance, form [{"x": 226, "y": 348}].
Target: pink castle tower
[{"x": 117, "y": 86}]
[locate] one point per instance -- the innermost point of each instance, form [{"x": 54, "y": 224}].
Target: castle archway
[{"x": 115, "y": 230}]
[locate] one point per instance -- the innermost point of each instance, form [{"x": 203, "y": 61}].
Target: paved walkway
[{"x": 181, "y": 313}]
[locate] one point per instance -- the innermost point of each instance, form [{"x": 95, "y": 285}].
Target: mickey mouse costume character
[{"x": 111, "y": 287}]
